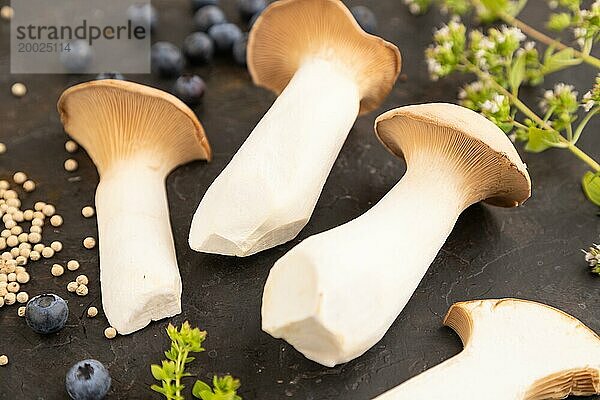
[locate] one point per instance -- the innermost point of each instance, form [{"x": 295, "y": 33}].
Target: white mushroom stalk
[
  {"x": 327, "y": 71},
  {"x": 514, "y": 350},
  {"x": 336, "y": 294},
  {"x": 135, "y": 135}
]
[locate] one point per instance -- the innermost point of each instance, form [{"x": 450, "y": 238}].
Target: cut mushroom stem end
[
  {"x": 514, "y": 350},
  {"x": 326, "y": 71},
  {"x": 335, "y": 294},
  {"x": 135, "y": 135}
]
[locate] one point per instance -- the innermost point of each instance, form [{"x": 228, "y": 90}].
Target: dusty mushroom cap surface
[
  {"x": 289, "y": 32},
  {"x": 543, "y": 337},
  {"x": 472, "y": 145},
  {"x": 114, "y": 119}
]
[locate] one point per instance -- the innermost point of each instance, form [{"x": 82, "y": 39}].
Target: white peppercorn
[
  {"x": 34, "y": 237},
  {"x": 56, "y": 221},
  {"x": 71, "y": 165},
  {"x": 57, "y": 270},
  {"x": 110, "y": 332},
  {"x": 82, "y": 290},
  {"x": 13, "y": 287},
  {"x": 29, "y": 186},
  {"x": 82, "y": 280},
  {"x": 23, "y": 277},
  {"x": 48, "y": 252},
  {"x": 71, "y": 146},
  {"x": 72, "y": 286},
  {"x": 92, "y": 312},
  {"x": 19, "y": 178},
  {"x": 18, "y": 89},
  {"x": 22, "y": 297},
  {"x": 89, "y": 243},
  {"x": 48, "y": 210},
  {"x": 73, "y": 265},
  {"x": 10, "y": 299},
  {"x": 88, "y": 211}
]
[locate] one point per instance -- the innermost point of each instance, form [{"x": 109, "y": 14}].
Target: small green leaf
[
  {"x": 561, "y": 59},
  {"x": 158, "y": 389},
  {"x": 591, "y": 187},
  {"x": 517, "y": 72},
  {"x": 157, "y": 372},
  {"x": 200, "y": 387},
  {"x": 540, "y": 140}
]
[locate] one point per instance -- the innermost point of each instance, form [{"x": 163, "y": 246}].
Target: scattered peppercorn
[
  {"x": 110, "y": 332},
  {"x": 18, "y": 89},
  {"x": 87, "y": 211},
  {"x": 57, "y": 270},
  {"x": 71, "y": 146},
  {"x": 82, "y": 290},
  {"x": 72, "y": 287},
  {"x": 92, "y": 312},
  {"x": 89, "y": 243},
  {"x": 73, "y": 265},
  {"x": 71, "y": 165}
]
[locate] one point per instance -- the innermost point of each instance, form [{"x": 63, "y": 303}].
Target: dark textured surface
[{"x": 531, "y": 252}]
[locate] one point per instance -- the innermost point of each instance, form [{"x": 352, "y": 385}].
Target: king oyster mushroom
[
  {"x": 136, "y": 135},
  {"x": 335, "y": 294},
  {"x": 514, "y": 350},
  {"x": 327, "y": 71}
]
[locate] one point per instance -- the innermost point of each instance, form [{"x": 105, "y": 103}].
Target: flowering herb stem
[
  {"x": 547, "y": 40},
  {"x": 565, "y": 143}
]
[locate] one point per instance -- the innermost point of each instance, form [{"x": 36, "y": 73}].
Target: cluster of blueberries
[
  {"x": 88, "y": 379},
  {"x": 213, "y": 34}
]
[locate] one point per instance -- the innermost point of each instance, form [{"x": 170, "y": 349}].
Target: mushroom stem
[
  {"x": 139, "y": 274},
  {"x": 269, "y": 190},
  {"x": 336, "y": 294}
]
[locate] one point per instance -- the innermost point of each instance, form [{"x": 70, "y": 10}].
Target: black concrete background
[{"x": 531, "y": 252}]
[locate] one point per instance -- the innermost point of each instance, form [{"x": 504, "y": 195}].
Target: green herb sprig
[
  {"x": 185, "y": 341},
  {"x": 503, "y": 61}
]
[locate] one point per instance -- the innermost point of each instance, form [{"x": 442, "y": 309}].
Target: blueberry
[
  {"x": 143, "y": 14},
  {"x": 87, "y": 380},
  {"x": 365, "y": 18},
  {"x": 166, "y": 59},
  {"x": 224, "y": 36},
  {"x": 78, "y": 56},
  {"x": 46, "y": 313},
  {"x": 248, "y": 8},
  {"x": 189, "y": 88},
  {"x": 110, "y": 75},
  {"x": 239, "y": 50},
  {"x": 208, "y": 16},
  {"x": 198, "y": 4},
  {"x": 198, "y": 48}
]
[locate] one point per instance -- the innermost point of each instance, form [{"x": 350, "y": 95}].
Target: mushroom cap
[
  {"x": 551, "y": 353},
  {"x": 115, "y": 120},
  {"x": 290, "y": 31},
  {"x": 477, "y": 149}
]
